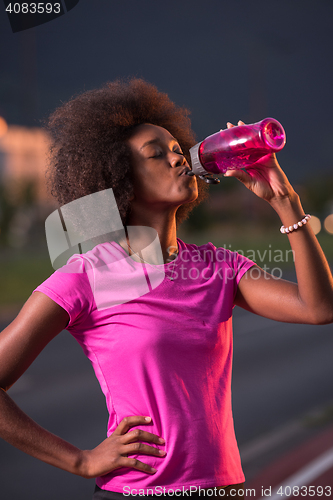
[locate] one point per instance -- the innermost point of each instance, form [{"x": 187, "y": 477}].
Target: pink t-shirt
[{"x": 165, "y": 352}]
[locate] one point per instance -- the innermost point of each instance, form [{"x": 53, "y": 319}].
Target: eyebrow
[{"x": 156, "y": 141}]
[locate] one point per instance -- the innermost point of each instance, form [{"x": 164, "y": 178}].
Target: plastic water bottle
[{"x": 236, "y": 147}]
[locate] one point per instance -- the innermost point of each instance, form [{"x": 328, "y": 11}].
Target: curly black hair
[{"x": 89, "y": 133}]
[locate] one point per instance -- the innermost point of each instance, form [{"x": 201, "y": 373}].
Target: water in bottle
[{"x": 236, "y": 147}]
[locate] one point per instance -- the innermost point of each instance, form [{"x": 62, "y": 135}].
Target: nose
[{"x": 177, "y": 159}]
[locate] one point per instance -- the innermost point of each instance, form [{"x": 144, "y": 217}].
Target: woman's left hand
[{"x": 265, "y": 177}]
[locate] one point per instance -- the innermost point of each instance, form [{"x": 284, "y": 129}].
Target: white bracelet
[{"x": 295, "y": 226}]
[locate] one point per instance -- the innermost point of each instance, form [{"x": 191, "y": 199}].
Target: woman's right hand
[{"x": 113, "y": 452}]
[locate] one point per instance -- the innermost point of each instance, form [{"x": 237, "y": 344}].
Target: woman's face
[{"x": 157, "y": 169}]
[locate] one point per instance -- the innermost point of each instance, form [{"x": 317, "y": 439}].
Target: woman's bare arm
[
  {"x": 311, "y": 299},
  {"x": 39, "y": 321}
]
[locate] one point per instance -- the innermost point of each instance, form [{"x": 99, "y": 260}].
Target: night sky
[{"x": 224, "y": 60}]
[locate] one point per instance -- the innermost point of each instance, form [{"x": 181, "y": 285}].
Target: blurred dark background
[{"x": 224, "y": 61}]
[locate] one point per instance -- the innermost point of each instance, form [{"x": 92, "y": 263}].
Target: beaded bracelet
[{"x": 297, "y": 225}]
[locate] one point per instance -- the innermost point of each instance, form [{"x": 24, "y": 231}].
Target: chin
[
  {"x": 194, "y": 195},
  {"x": 188, "y": 195},
  {"x": 190, "y": 199}
]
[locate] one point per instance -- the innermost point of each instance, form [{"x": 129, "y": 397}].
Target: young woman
[{"x": 163, "y": 358}]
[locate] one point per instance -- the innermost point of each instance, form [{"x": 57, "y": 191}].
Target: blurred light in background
[
  {"x": 24, "y": 200},
  {"x": 23, "y": 153},
  {"x": 328, "y": 223},
  {"x": 315, "y": 224},
  {"x": 3, "y": 126}
]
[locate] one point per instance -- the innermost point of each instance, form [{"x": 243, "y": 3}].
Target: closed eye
[
  {"x": 161, "y": 153},
  {"x": 156, "y": 155}
]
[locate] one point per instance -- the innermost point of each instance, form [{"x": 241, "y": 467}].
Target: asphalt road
[{"x": 281, "y": 371}]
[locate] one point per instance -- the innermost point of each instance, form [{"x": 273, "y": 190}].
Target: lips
[{"x": 184, "y": 170}]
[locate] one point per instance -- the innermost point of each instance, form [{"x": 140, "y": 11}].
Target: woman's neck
[{"x": 165, "y": 227}]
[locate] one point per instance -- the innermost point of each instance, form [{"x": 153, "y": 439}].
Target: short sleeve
[
  {"x": 234, "y": 263},
  {"x": 69, "y": 287},
  {"x": 241, "y": 264}
]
